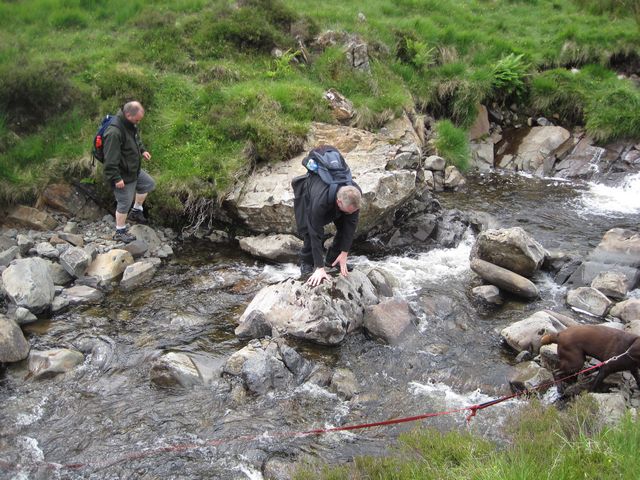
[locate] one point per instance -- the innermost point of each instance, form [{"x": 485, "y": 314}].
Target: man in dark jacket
[
  {"x": 123, "y": 151},
  {"x": 314, "y": 209}
]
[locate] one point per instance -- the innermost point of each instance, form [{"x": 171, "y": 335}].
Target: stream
[{"x": 107, "y": 416}]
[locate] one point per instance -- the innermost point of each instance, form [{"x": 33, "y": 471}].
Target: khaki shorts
[{"x": 125, "y": 196}]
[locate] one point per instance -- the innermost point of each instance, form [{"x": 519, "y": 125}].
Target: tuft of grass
[{"x": 452, "y": 144}]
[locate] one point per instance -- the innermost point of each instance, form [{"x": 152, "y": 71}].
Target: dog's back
[{"x": 597, "y": 341}]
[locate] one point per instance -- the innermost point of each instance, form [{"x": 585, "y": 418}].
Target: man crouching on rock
[{"x": 314, "y": 208}]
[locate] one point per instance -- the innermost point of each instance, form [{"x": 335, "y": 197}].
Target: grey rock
[
  {"x": 434, "y": 163},
  {"x": 140, "y": 273},
  {"x": 148, "y": 234},
  {"x": 529, "y": 375},
  {"x": 59, "y": 275},
  {"x": 283, "y": 248},
  {"x": 48, "y": 363},
  {"x": 28, "y": 283},
  {"x": 589, "y": 300},
  {"x": 504, "y": 279},
  {"x": 489, "y": 294},
  {"x": 137, "y": 248},
  {"x": 73, "y": 239},
  {"x": 627, "y": 311},
  {"x": 75, "y": 261},
  {"x": 510, "y": 248},
  {"x": 82, "y": 294},
  {"x": 13, "y": 346},
  {"x": 388, "y": 320},
  {"x": 7, "y": 256},
  {"x": 344, "y": 383},
  {"x": 46, "y": 250},
  {"x": 526, "y": 334},
  {"x": 612, "y": 284},
  {"x": 25, "y": 243},
  {"x": 175, "y": 369},
  {"x": 24, "y": 316}
]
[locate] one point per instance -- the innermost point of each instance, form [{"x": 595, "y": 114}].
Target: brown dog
[{"x": 599, "y": 342}]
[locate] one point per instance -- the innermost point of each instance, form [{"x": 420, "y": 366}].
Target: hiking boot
[
  {"x": 306, "y": 270},
  {"x": 123, "y": 236},
  {"x": 137, "y": 216}
]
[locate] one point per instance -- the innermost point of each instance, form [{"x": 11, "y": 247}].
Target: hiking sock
[{"x": 137, "y": 207}]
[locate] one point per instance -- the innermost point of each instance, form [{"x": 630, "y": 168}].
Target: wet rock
[
  {"x": 344, "y": 383},
  {"x": 510, "y": 248},
  {"x": 82, "y": 294},
  {"x": 28, "y": 283},
  {"x": 536, "y": 146},
  {"x": 75, "y": 261},
  {"x": 612, "y": 284},
  {"x": 488, "y": 294},
  {"x": 137, "y": 248},
  {"x": 13, "y": 346},
  {"x": 482, "y": 155},
  {"x": 388, "y": 320},
  {"x": 618, "y": 251},
  {"x": 255, "y": 325},
  {"x": 268, "y": 364},
  {"x": 147, "y": 234},
  {"x": 549, "y": 356},
  {"x": 524, "y": 356},
  {"x": 530, "y": 375},
  {"x": 526, "y": 334},
  {"x": 59, "y": 304},
  {"x": 7, "y": 256},
  {"x": 29, "y": 217},
  {"x": 165, "y": 251},
  {"x": 323, "y": 314},
  {"x": 627, "y": 311},
  {"x": 453, "y": 179},
  {"x": 48, "y": 363},
  {"x": 381, "y": 282},
  {"x": 281, "y": 248},
  {"x": 175, "y": 369},
  {"x": 109, "y": 266},
  {"x": 23, "y": 316},
  {"x": 140, "y": 273},
  {"x": 589, "y": 300},
  {"x": 504, "y": 279}
]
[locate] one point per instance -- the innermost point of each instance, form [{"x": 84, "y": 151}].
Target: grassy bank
[
  {"x": 543, "y": 442},
  {"x": 218, "y": 102}
]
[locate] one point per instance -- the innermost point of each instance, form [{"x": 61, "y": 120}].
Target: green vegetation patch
[{"x": 568, "y": 444}]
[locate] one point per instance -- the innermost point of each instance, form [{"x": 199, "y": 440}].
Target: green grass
[
  {"x": 542, "y": 443},
  {"x": 217, "y": 102},
  {"x": 451, "y": 144}
]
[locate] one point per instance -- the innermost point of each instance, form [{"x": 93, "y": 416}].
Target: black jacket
[
  {"x": 315, "y": 210},
  {"x": 123, "y": 150}
]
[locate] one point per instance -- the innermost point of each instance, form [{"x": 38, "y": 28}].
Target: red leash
[{"x": 473, "y": 410}]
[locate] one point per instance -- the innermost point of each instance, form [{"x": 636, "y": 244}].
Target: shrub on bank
[{"x": 452, "y": 144}]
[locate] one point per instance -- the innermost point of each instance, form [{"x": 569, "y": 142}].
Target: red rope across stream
[{"x": 472, "y": 409}]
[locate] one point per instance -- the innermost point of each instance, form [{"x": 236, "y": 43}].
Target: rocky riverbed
[{"x": 202, "y": 359}]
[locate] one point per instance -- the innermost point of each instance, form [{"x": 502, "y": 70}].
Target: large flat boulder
[
  {"x": 264, "y": 203},
  {"x": 13, "y": 346}
]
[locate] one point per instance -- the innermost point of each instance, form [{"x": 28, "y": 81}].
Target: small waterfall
[{"x": 618, "y": 200}]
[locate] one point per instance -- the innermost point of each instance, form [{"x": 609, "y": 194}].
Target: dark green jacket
[{"x": 123, "y": 151}]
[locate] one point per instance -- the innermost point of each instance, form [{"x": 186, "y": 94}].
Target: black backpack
[
  {"x": 97, "y": 150},
  {"x": 327, "y": 162}
]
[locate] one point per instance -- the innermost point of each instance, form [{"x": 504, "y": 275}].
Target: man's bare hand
[
  {"x": 120, "y": 184},
  {"x": 147, "y": 155},
  {"x": 342, "y": 261},
  {"x": 318, "y": 276}
]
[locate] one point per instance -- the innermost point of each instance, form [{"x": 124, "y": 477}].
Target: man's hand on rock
[
  {"x": 342, "y": 261},
  {"x": 318, "y": 276},
  {"x": 119, "y": 184}
]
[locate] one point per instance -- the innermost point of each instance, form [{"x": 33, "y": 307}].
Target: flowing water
[{"x": 107, "y": 417}]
